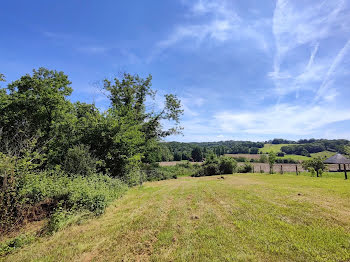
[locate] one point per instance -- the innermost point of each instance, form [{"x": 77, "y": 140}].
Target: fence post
[
  {"x": 296, "y": 169},
  {"x": 346, "y": 175}
]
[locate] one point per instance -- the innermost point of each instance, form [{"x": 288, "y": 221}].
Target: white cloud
[
  {"x": 307, "y": 27},
  {"x": 328, "y": 80},
  {"x": 219, "y": 23},
  {"x": 281, "y": 119}
]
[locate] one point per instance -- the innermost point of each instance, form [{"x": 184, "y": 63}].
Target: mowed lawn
[{"x": 245, "y": 217}]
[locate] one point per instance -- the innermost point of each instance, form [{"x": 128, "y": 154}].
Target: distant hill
[{"x": 298, "y": 150}]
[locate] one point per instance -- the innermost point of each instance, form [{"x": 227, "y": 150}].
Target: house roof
[{"x": 337, "y": 159}]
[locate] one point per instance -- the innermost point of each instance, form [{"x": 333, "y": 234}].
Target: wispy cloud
[
  {"x": 328, "y": 80},
  {"x": 218, "y": 22},
  {"x": 93, "y": 49},
  {"x": 306, "y": 27},
  {"x": 281, "y": 119}
]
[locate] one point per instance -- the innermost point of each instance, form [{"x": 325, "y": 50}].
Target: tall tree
[
  {"x": 37, "y": 105},
  {"x": 197, "y": 154},
  {"x": 131, "y": 126}
]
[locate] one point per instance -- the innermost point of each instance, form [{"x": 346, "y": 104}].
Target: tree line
[{"x": 177, "y": 151}]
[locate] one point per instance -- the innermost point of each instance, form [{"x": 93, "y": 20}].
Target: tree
[
  {"x": 130, "y": 129},
  {"x": 227, "y": 165},
  {"x": 272, "y": 160},
  {"x": 177, "y": 156},
  {"x": 38, "y": 105},
  {"x": 197, "y": 154},
  {"x": 263, "y": 158},
  {"x": 254, "y": 150},
  {"x": 315, "y": 164}
]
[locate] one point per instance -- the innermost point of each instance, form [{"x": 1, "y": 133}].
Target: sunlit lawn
[{"x": 246, "y": 217}]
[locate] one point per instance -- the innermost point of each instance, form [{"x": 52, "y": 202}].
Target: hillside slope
[{"x": 241, "y": 218}]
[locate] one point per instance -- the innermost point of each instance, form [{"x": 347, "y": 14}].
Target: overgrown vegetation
[
  {"x": 58, "y": 158},
  {"x": 215, "y": 166}
]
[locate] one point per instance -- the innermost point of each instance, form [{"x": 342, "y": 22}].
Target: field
[
  {"x": 250, "y": 217},
  {"x": 247, "y": 156},
  {"x": 174, "y": 163},
  {"x": 277, "y": 148},
  {"x": 272, "y": 147}
]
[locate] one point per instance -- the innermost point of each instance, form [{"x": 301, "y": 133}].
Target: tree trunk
[{"x": 317, "y": 173}]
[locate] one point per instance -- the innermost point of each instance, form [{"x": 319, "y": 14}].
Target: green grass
[
  {"x": 272, "y": 147},
  {"x": 244, "y": 217},
  {"x": 277, "y": 148}
]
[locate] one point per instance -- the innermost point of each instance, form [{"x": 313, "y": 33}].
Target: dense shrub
[
  {"x": 216, "y": 166},
  {"x": 208, "y": 170},
  {"x": 246, "y": 168},
  {"x": 39, "y": 194},
  {"x": 280, "y": 154},
  {"x": 305, "y": 149},
  {"x": 78, "y": 161},
  {"x": 263, "y": 159},
  {"x": 286, "y": 161},
  {"x": 79, "y": 193},
  {"x": 240, "y": 159},
  {"x": 227, "y": 165}
]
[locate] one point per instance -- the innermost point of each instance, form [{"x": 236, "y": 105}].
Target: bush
[
  {"x": 208, "y": 170},
  {"x": 280, "y": 154},
  {"x": 227, "y": 165},
  {"x": 39, "y": 195},
  {"x": 263, "y": 158},
  {"x": 246, "y": 168},
  {"x": 78, "y": 161},
  {"x": 15, "y": 243}
]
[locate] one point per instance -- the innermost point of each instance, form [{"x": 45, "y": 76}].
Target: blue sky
[{"x": 244, "y": 70}]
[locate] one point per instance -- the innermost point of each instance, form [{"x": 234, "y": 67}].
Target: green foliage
[
  {"x": 179, "y": 170},
  {"x": 211, "y": 159},
  {"x": 263, "y": 158},
  {"x": 246, "y": 168},
  {"x": 227, "y": 165},
  {"x": 272, "y": 160},
  {"x": 216, "y": 166},
  {"x": 58, "y": 220},
  {"x": 91, "y": 193},
  {"x": 16, "y": 243},
  {"x": 207, "y": 170},
  {"x": 254, "y": 150},
  {"x": 2, "y": 78},
  {"x": 51, "y": 150},
  {"x": 197, "y": 154},
  {"x": 280, "y": 154},
  {"x": 315, "y": 165},
  {"x": 78, "y": 161}
]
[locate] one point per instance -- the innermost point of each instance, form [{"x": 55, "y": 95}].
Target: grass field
[
  {"x": 277, "y": 148},
  {"x": 272, "y": 147},
  {"x": 250, "y": 217}
]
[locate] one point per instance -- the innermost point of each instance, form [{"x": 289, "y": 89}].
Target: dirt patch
[
  {"x": 247, "y": 156},
  {"x": 174, "y": 163}
]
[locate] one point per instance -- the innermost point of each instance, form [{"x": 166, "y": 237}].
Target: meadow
[
  {"x": 277, "y": 148},
  {"x": 243, "y": 217}
]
